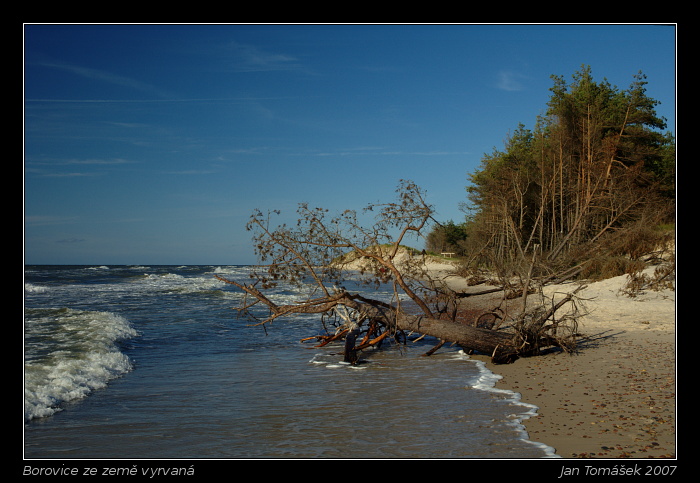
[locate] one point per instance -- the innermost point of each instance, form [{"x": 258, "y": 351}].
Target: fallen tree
[{"x": 316, "y": 255}]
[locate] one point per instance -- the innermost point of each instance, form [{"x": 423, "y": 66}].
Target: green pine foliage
[{"x": 597, "y": 161}]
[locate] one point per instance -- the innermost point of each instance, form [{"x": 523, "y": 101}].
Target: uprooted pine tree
[{"x": 320, "y": 252}]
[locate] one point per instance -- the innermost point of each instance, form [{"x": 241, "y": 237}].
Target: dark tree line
[
  {"x": 447, "y": 237},
  {"x": 596, "y": 163}
]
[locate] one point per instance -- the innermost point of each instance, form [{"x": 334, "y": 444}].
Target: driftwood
[
  {"x": 385, "y": 320},
  {"x": 319, "y": 250}
]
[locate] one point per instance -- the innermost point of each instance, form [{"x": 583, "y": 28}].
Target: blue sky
[{"x": 152, "y": 144}]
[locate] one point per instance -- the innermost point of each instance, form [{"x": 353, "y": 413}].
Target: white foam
[
  {"x": 84, "y": 359},
  {"x": 31, "y": 288},
  {"x": 173, "y": 282},
  {"x": 487, "y": 382},
  {"x": 332, "y": 362}
]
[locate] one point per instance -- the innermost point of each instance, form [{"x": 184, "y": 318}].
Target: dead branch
[{"x": 314, "y": 255}]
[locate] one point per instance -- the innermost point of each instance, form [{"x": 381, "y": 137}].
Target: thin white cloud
[
  {"x": 510, "y": 81},
  {"x": 56, "y": 174},
  {"x": 71, "y": 240},
  {"x": 69, "y": 175},
  {"x": 191, "y": 172},
  {"x": 52, "y": 168},
  {"x": 98, "y": 162},
  {"x": 41, "y": 220},
  {"x": 106, "y": 77},
  {"x": 249, "y": 58},
  {"x": 369, "y": 151}
]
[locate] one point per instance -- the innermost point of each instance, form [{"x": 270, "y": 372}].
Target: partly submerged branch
[
  {"x": 502, "y": 346},
  {"x": 313, "y": 254}
]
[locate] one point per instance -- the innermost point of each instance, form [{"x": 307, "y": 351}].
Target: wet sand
[{"x": 616, "y": 396}]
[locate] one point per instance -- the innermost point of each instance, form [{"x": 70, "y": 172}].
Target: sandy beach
[
  {"x": 616, "y": 396},
  {"x": 613, "y": 398}
]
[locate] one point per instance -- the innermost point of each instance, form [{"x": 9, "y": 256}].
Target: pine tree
[{"x": 595, "y": 161}]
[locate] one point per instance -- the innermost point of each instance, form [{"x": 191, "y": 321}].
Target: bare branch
[{"x": 316, "y": 255}]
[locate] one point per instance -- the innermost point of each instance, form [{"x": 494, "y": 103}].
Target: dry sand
[{"x": 615, "y": 397}]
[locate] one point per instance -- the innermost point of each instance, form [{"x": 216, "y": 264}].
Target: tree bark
[
  {"x": 350, "y": 353},
  {"x": 504, "y": 348},
  {"x": 499, "y": 345}
]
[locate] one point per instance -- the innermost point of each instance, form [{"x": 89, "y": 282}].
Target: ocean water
[{"x": 152, "y": 362}]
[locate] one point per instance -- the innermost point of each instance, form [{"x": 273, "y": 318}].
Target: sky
[{"x": 153, "y": 144}]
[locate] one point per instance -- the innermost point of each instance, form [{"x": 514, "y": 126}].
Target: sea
[{"x": 153, "y": 362}]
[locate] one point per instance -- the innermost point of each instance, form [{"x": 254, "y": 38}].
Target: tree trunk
[
  {"x": 350, "y": 353},
  {"x": 501, "y": 346}
]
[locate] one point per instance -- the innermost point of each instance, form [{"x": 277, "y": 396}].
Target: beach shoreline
[{"x": 615, "y": 397}]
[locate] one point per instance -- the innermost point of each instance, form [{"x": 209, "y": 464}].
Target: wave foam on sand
[{"x": 616, "y": 396}]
